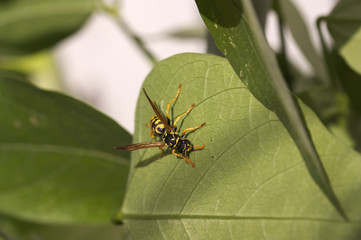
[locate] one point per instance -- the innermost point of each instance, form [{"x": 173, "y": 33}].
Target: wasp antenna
[
  {"x": 201, "y": 147},
  {"x": 157, "y": 112}
]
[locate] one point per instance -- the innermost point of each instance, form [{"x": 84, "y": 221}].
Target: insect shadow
[{"x": 149, "y": 160}]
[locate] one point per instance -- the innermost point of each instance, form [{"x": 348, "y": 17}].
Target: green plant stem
[
  {"x": 283, "y": 57},
  {"x": 114, "y": 13},
  {"x": 331, "y": 70},
  {"x": 341, "y": 97},
  {"x": 137, "y": 40},
  {"x": 280, "y": 27}
]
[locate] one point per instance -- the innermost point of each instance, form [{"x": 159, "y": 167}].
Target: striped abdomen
[{"x": 157, "y": 126}]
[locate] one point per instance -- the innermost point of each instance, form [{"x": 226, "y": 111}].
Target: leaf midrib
[
  {"x": 130, "y": 216},
  {"x": 29, "y": 147}
]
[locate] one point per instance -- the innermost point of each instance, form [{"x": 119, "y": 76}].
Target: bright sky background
[{"x": 103, "y": 67}]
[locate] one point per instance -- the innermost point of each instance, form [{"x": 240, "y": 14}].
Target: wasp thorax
[{"x": 171, "y": 138}]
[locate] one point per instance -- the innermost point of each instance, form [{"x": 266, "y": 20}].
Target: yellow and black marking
[
  {"x": 161, "y": 127},
  {"x": 157, "y": 128}
]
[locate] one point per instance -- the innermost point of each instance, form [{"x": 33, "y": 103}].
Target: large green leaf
[
  {"x": 56, "y": 158},
  {"x": 344, "y": 21},
  {"x": 27, "y": 26},
  {"x": 237, "y": 34},
  {"x": 249, "y": 182}
]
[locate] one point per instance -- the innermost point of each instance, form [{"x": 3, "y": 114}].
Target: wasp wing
[
  {"x": 157, "y": 112},
  {"x": 136, "y": 146}
]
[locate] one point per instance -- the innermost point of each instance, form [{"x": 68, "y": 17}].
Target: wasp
[{"x": 159, "y": 127}]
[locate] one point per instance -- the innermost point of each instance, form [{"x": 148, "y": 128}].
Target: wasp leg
[
  {"x": 176, "y": 96},
  {"x": 174, "y": 124},
  {"x": 185, "y": 158},
  {"x": 151, "y": 130},
  {"x": 162, "y": 154},
  {"x": 192, "y": 129}
]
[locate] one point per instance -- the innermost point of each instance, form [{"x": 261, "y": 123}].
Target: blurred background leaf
[
  {"x": 57, "y": 164},
  {"x": 13, "y": 229},
  {"x": 351, "y": 51},
  {"x": 198, "y": 32},
  {"x": 293, "y": 19},
  {"x": 39, "y": 68},
  {"x": 28, "y": 26},
  {"x": 344, "y": 21}
]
